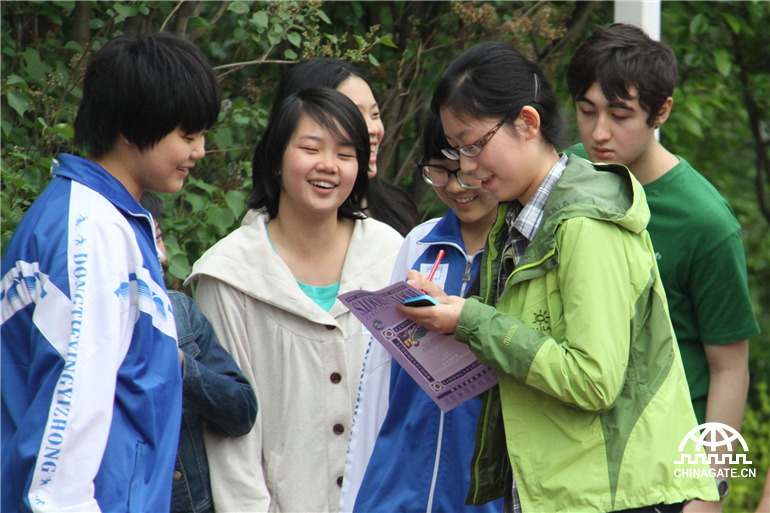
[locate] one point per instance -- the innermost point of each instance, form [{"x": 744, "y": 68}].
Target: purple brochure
[{"x": 446, "y": 369}]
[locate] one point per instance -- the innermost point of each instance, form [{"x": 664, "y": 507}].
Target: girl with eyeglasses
[
  {"x": 592, "y": 403},
  {"x": 413, "y": 433}
]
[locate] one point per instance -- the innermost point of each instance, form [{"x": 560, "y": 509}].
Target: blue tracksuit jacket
[
  {"x": 91, "y": 379},
  {"x": 421, "y": 458}
]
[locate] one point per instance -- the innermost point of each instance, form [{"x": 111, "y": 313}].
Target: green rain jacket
[{"x": 592, "y": 402}]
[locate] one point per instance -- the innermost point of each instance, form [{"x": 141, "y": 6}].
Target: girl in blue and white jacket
[{"x": 405, "y": 454}]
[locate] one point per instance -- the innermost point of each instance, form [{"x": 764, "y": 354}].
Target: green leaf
[
  {"x": 695, "y": 109},
  {"x": 294, "y": 38},
  {"x": 124, "y": 11},
  {"x": 222, "y": 137},
  {"x": 276, "y": 28},
  {"x": 36, "y": 69},
  {"x": 65, "y": 130},
  {"x": 324, "y": 17},
  {"x": 67, "y": 6},
  {"x": 6, "y": 126},
  {"x": 735, "y": 24},
  {"x": 74, "y": 46},
  {"x": 387, "y": 41},
  {"x": 15, "y": 80},
  {"x": 8, "y": 50},
  {"x": 222, "y": 218},
  {"x": 692, "y": 125},
  {"x": 199, "y": 22},
  {"x": 197, "y": 202},
  {"x": 15, "y": 180},
  {"x": 238, "y": 7},
  {"x": 290, "y": 54},
  {"x": 241, "y": 119},
  {"x": 699, "y": 24},
  {"x": 240, "y": 34},
  {"x": 261, "y": 19},
  {"x": 179, "y": 266},
  {"x": 722, "y": 60},
  {"x": 373, "y": 60},
  {"x": 236, "y": 200},
  {"x": 18, "y": 102},
  {"x": 20, "y": 155},
  {"x": 209, "y": 188}
]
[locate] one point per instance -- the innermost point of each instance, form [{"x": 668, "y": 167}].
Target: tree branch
[{"x": 761, "y": 146}]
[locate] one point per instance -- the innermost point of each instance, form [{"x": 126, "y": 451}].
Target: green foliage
[
  {"x": 46, "y": 47},
  {"x": 719, "y": 123},
  {"x": 746, "y": 490}
]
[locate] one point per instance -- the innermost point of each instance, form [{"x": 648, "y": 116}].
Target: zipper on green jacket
[
  {"x": 487, "y": 409},
  {"x": 533, "y": 264}
]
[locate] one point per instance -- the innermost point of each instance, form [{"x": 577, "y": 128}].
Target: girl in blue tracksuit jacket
[
  {"x": 406, "y": 454},
  {"x": 91, "y": 391}
]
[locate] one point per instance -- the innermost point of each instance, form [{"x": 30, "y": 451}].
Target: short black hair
[
  {"x": 153, "y": 204},
  {"x": 494, "y": 80},
  {"x": 142, "y": 87},
  {"x": 433, "y": 139},
  {"x": 334, "y": 112},
  {"x": 622, "y": 56}
]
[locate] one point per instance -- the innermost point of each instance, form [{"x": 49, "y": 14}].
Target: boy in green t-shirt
[{"x": 621, "y": 81}]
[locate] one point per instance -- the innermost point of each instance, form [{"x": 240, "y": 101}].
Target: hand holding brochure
[{"x": 447, "y": 370}]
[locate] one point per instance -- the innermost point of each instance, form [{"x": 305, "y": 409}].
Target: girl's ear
[{"x": 528, "y": 122}]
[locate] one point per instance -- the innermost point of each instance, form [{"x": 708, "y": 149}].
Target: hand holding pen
[{"x": 445, "y": 311}]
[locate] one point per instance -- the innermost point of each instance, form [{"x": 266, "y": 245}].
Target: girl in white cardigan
[{"x": 270, "y": 290}]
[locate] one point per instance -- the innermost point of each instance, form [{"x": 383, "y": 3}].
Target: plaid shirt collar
[
  {"x": 527, "y": 220},
  {"x": 524, "y": 221}
]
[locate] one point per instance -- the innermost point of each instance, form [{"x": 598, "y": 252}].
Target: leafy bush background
[{"x": 719, "y": 122}]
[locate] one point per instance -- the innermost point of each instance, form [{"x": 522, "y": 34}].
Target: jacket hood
[
  {"x": 246, "y": 261},
  {"x": 600, "y": 191},
  {"x": 607, "y": 192}
]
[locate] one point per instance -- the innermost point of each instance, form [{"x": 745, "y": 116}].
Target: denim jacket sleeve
[{"x": 214, "y": 386}]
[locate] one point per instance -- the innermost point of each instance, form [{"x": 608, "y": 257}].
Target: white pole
[{"x": 642, "y": 13}]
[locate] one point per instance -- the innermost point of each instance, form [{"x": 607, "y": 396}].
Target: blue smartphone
[{"x": 424, "y": 300}]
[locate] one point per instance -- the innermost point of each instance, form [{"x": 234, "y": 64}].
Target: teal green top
[{"x": 322, "y": 296}]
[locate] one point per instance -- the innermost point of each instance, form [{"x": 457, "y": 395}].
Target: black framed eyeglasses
[
  {"x": 439, "y": 176},
  {"x": 472, "y": 150}
]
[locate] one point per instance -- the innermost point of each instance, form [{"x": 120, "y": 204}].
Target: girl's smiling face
[
  {"x": 318, "y": 171},
  {"x": 470, "y": 205},
  {"x": 505, "y": 165},
  {"x": 164, "y": 166},
  {"x": 360, "y": 93}
]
